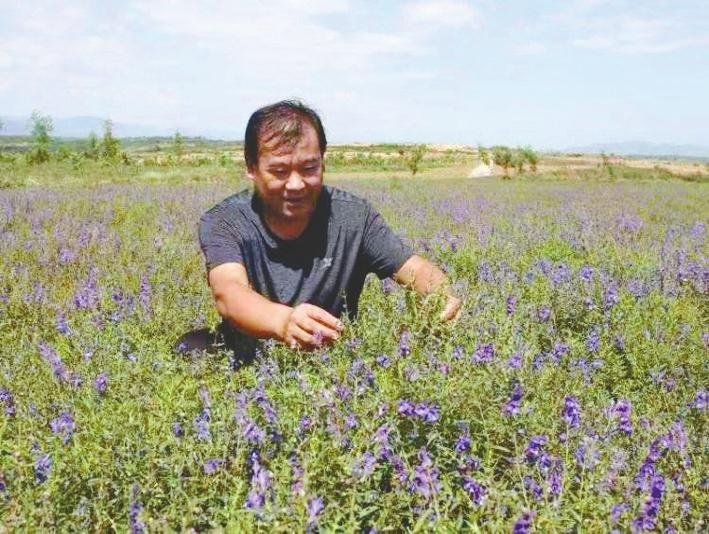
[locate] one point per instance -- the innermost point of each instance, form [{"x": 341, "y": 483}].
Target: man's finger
[
  {"x": 317, "y": 329},
  {"x": 301, "y": 338},
  {"x": 325, "y": 318},
  {"x": 452, "y": 309}
]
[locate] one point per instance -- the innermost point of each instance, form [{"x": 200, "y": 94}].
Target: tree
[
  {"x": 518, "y": 161},
  {"x": 93, "y": 148},
  {"x": 178, "y": 144},
  {"x": 110, "y": 146},
  {"x": 2, "y": 124},
  {"x": 502, "y": 156},
  {"x": 531, "y": 157},
  {"x": 414, "y": 158},
  {"x": 42, "y": 127},
  {"x": 484, "y": 155}
]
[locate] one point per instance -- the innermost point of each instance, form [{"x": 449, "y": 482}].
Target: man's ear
[{"x": 250, "y": 172}]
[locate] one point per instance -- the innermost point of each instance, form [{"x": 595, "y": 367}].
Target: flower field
[{"x": 571, "y": 395}]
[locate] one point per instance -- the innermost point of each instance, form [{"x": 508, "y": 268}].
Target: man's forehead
[{"x": 283, "y": 148}]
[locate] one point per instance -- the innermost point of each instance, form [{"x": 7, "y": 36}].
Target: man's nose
[{"x": 295, "y": 181}]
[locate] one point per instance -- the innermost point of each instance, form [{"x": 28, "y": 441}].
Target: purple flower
[
  {"x": 351, "y": 421},
  {"x": 315, "y": 507},
  {"x": 484, "y": 353},
  {"x": 305, "y": 424},
  {"x": 136, "y": 525},
  {"x": 87, "y": 297},
  {"x": 543, "y": 313},
  {"x": 513, "y": 405},
  {"x": 515, "y": 361},
  {"x": 42, "y": 468},
  {"x": 145, "y": 292},
  {"x": 571, "y": 413},
  {"x": 586, "y": 273},
  {"x": 212, "y": 465},
  {"x": 648, "y": 517},
  {"x": 531, "y": 485},
  {"x": 101, "y": 383},
  {"x": 253, "y": 433},
  {"x": 560, "y": 274},
  {"x": 201, "y": 425},
  {"x": 534, "y": 448},
  {"x": 463, "y": 443},
  {"x": 51, "y": 357},
  {"x": 424, "y": 480},
  {"x": 62, "y": 325},
  {"x": 554, "y": 481},
  {"x": 8, "y": 400},
  {"x": 66, "y": 256},
  {"x": 511, "y": 304},
  {"x": 64, "y": 426},
  {"x": 364, "y": 466},
  {"x": 383, "y": 361},
  {"x": 622, "y": 410},
  {"x": 700, "y": 400},
  {"x": 260, "y": 484},
  {"x": 381, "y": 435},
  {"x": 476, "y": 491},
  {"x": 523, "y": 525},
  {"x": 593, "y": 341},
  {"x": 559, "y": 350},
  {"x": 177, "y": 430},
  {"x": 618, "y": 510},
  {"x": 636, "y": 288},
  {"x": 428, "y": 412},
  {"x": 610, "y": 296},
  {"x": 404, "y": 344},
  {"x": 406, "y": 407}
]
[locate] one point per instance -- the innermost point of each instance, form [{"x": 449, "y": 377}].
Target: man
[{"x": 287, "y": 260}]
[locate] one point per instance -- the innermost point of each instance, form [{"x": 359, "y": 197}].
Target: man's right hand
[{"x": 308, "y": 327}]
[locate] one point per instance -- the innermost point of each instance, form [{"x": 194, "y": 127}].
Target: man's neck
[{"x": 285, "y": 229}]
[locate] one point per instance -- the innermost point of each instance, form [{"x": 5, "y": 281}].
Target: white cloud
[
  {"x": 632, "y": 35},
  {"x": 442, "y": 13}
]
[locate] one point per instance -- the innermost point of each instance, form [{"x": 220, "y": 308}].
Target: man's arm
[
  {"x": 304, "y": 326},
  {"x": 424, "y": 277}
]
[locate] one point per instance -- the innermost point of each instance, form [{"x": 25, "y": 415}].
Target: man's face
[{"x": 288, "y": 177}]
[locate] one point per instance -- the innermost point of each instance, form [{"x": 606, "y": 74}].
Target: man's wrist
[{"x": 281, "y": 317}]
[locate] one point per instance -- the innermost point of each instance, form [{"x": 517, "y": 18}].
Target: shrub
[{"x": 42, "y": 127}]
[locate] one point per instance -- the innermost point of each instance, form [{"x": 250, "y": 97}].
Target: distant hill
[
  {"x": 640, "y": 148},
  {"x": 83, "y": 126}
]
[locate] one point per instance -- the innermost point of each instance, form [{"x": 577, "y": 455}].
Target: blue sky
[{"x": 549, "y": 74}]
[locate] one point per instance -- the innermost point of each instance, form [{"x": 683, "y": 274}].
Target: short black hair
[{"x": 282, "y": 120}]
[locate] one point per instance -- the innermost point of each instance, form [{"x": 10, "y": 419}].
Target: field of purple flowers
[{"x": 570, "y": 396}]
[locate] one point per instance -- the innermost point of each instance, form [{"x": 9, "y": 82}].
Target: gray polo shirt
[{"x": 326, "y": 265}]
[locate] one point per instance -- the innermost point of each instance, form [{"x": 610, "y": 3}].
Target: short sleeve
[
  {"x": 384, "y": 252},
  {"x": 221, "y": 242}
]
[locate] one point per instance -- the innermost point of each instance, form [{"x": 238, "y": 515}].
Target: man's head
[
  {"x": 284, "y": 149},
  {"x": 278, "y": 124}
]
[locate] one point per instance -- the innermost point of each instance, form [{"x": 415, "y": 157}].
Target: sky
[{"x": 544, "y": 73}]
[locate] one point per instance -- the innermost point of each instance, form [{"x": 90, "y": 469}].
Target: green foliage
[
  {"x": 484, "y": 155},
  {"x": 124, "y": 461},
  {"x": 93, "y": 147},
  {"x": 502, "y": 157},
  {"x": 178, "y": 144},
  {"x": 414, "y": 157},
  {"x": 110, "y": 148},
  {"x": 530, "y": 156},
  {"x": 42, "y": 127}
]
